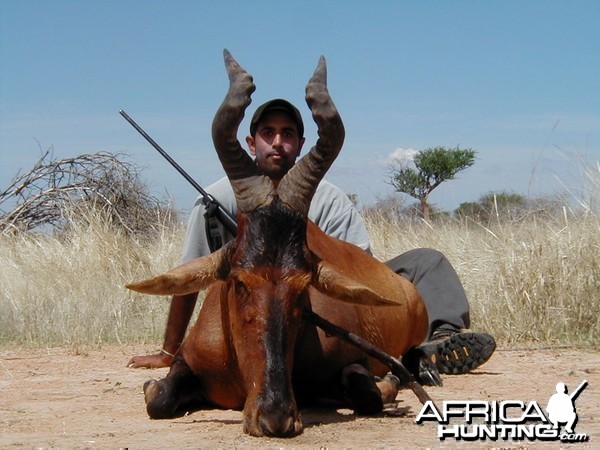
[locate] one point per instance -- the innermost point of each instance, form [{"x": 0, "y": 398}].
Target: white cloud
[{"x": 398, "y": 155}]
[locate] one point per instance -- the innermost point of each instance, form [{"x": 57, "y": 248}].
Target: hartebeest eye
[{"x": 240, "y": 288}]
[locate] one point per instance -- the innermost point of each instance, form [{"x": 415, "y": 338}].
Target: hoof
[
  {"x": 151, "y": 390},
  {"x": 422, "y": 368},
  {"x": 389, "y": 387},
  {"x": 158, "y": 403},
  {"x": 361, "y": 390}
]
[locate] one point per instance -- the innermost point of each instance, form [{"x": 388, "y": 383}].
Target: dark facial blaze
[
  {"x": 271, "y": 269},
  {"x": 270, "y": 263},
  {"x": 273, "y": 236}
]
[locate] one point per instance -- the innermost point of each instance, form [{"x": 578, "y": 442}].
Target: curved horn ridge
[
  {"x": 253, "y": 192},
  {"x": 250, "y": 189},
  {"x": 236, "y": 162},
  {"x": 298, "y": 186}
]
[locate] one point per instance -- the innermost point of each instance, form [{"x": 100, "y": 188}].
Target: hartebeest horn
[
  {"x": 298, "y": 186},
  {"x": 251, "y": 189}
]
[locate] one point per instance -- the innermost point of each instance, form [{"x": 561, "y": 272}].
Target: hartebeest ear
[
  {"x": 331, "y": 282},
  {"x": 190, "y": 277}
]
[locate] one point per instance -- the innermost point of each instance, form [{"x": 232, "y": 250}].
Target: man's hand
[{"x": 156, "y": 361}]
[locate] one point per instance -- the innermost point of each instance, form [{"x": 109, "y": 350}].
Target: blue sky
[{"x": 518, "y": 81}]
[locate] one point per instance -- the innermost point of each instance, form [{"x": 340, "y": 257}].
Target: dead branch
[{"x": 55, "y": 191}]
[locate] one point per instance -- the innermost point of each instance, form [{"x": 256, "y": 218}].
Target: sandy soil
[{"x": 54, "y": 398}]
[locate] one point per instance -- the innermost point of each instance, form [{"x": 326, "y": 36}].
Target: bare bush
[{"x": 57, "y": 192}]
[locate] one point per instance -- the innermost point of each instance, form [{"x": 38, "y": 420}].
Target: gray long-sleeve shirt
[{"x": 330, "y": 209}]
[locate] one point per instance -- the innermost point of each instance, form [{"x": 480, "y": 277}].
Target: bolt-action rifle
[{"x": 212, "y": 205}]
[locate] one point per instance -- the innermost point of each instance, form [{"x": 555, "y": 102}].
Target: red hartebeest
[{"x": 250, "y": 347}]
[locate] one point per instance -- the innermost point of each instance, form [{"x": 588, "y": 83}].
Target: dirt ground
[{"x": 55, "y": 398}]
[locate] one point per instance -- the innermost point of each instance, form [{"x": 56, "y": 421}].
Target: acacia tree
[{"x": 433, "y": 166}]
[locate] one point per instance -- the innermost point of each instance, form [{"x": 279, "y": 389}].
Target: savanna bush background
[{"x": 531, "y": 280}]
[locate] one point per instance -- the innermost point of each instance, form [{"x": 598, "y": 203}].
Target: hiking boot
[{"x": 458, "y": 351}]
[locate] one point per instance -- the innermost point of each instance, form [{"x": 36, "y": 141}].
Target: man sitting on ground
[{"x": 275, "y": 140}]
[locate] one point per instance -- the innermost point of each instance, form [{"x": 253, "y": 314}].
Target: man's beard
[{"x": 275, "y": 171}]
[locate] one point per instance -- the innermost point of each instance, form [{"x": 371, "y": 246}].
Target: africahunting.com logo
[{"x": 508, "y": 419}]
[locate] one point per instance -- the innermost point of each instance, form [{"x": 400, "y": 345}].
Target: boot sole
[{"x": 461, "y": 352}]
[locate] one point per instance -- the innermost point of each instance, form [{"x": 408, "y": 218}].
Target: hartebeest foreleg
[{"x": 174, "y": 395}]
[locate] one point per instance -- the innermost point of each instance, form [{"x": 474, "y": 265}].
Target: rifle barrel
[
  {"x": 163, "y": 153},
  {"x": 228, "y": 222}
]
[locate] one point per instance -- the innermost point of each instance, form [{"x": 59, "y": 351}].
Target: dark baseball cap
[{"x": 277, "y": 104}]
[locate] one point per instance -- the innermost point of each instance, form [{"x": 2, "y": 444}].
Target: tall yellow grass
[
  {"x": 69, "y": 290},
  {"x": 531, "y": 281},
  {"x": 528, "y": 281}
]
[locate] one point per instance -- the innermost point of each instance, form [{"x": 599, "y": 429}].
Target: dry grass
[
  {"x": 534, "y": 281},
  {"x": 69, "y": 290}
]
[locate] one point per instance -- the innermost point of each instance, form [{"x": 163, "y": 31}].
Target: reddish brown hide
[
  {"x": 223, "y": 360},
  {"x": 250, "y": 347}
]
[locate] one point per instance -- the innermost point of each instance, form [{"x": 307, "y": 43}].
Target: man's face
[{"x": 276, "y": 144}]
